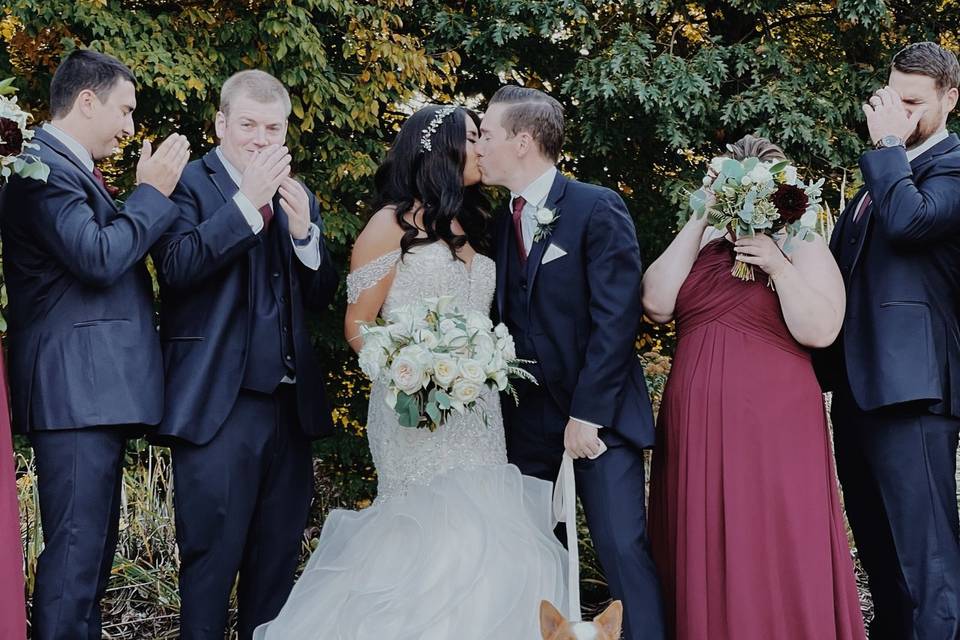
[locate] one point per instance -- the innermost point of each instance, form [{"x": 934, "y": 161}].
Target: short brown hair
[
  {"x": 755, "y": 147},
  {"x": 931, "y": 60},
  {"x": 256, "y": 85},
  {"x": 536, "y": 113}
]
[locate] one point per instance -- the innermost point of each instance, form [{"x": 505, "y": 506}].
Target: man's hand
[
  {"x": 161, "y": 169},
  {"x": 581, "y": 440},
  {"x": 268, "y": 168},
  {"x": 294, "y": 200},
  {"x": 886, "y": 116}
]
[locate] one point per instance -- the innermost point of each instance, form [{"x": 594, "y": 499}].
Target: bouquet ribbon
[{"x": 565, "y": 510}]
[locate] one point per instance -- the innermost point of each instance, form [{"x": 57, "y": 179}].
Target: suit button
[
  {"x": 288, "y": 358},
  {"x": 284, "y": 328},
  {"x": 283, "y": 299},
  {"x": 853, "y": 240},
  {"x": 523, "y": 286},
  {"x": 276, "y": 274}
]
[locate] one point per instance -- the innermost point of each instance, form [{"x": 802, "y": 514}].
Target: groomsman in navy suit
[
  {"x": 895, "y": 368},
  {"x": 85, "y": 365},
  {"x": 239, "y": 269},
  {"x": 568, "y": 288}
]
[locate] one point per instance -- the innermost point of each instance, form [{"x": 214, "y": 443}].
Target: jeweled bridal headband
[{"x": 426, "y": 142}]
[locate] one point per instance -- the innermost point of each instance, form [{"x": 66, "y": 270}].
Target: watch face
[{"x": 891, "y": 141}]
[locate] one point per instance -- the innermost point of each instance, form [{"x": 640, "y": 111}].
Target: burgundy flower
[
  {"x": 11, "y": 139},
  {"x": 791, "y": 201}
]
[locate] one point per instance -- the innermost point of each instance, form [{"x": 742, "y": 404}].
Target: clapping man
[{"x": 85, "y": 367}]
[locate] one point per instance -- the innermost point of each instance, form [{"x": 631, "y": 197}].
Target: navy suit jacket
[
  {"x": 585, "y": 310},
  {"x": 900, "y": 340},
  {"x": 84, "y": 350},
  {"x": 203, "y": 265}
]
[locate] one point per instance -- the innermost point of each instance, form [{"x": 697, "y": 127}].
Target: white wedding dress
[{"x": 458, "y": 544}]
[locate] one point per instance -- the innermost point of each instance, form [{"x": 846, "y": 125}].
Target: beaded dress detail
[{"x": 458, "y": 544}]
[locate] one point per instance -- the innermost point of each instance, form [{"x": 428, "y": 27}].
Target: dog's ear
[
  {"x": 611, "y": 620},
  {"x": 551, "y": 620}
]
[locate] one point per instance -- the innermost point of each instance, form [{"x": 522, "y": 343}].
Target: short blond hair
[{"x": 257, "y": 85}]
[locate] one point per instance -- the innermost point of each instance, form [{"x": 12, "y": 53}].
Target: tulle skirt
[{"x": 468, "y": 556}]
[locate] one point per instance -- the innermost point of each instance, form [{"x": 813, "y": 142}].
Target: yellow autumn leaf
[{"x": 195, "y": 83}]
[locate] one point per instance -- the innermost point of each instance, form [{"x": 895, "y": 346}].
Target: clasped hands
[{"x": 269, "y": 172}]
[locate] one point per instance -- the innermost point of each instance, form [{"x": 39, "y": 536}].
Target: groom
[
  {"x": 568, "y": 288},
  {"x": 894, "y": 369}
]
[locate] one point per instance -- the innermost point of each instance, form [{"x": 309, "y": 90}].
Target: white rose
[
  {"x": 717, "y": 164},
  {"x": 455, "y": 338},
  {"x": 372, "y": 359},
  {"x": 447, "y": 325},
  {"x": 501, "y": 331},
  {"x": 507, "y": 347},
  {"x": 445, "y": 370},
  {"x": 483, "y": 344},
  {"x": 466, "y": 392},
  {"x": 479, "y": 322},
  {"x": 760, "y": 174},
  {"x": 472, "y": 371},
  {"x": 427, "y": 338},
  {"x": 407, "y": 374},
  {"x": 545, "y": 216}
]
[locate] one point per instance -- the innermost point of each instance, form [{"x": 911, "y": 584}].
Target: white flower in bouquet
[
  {"x": 407, "y": 373},
  {"x": 472, "y": 371},
  {"x": 455, "y": 338},
  {"x": 466, "y": 392},
  {"x": 15, "y": 137},
  {"x": 760, "y": 174},
  {"x": 479, "y": 322},
  {"x": 445, "y": 370}
]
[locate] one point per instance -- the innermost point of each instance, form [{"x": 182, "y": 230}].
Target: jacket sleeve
[
  {"x": 614, "y": 278},
  {"x": 195, "y": 248},
  {"x": 320, "y": 286},
  {"x": 907, "y": 212},
  {"x": 97, "y": 255}
]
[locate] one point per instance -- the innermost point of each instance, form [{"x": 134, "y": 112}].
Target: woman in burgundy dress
[
  {"x": 13, "y": 623},
  {"x": 745, "y": 517}
]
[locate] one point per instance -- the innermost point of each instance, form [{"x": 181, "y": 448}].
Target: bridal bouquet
[
  {"x": 758, "y": 197},
  {"x": 15, "y": 139},
  {"x": 436, "y": 359}
]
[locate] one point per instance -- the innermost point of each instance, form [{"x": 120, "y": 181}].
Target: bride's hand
[{"x": 761, "y": 251}]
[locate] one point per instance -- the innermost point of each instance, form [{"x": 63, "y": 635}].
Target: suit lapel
[
  {"x": 57, "y": 147},
  {"x": 220, "y": 176},
  {"x": 536, "y": 251}
]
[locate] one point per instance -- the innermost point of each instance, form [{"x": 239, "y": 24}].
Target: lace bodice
[{"x": 406, "y": 456}]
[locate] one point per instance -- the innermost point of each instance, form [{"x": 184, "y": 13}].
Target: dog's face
[{"x": 606, "y": 626}]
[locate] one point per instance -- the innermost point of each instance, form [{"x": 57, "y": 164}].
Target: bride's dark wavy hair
[{"x": 434, "y": 177}]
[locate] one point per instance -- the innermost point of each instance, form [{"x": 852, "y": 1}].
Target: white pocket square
[{"x": 552, "y": 253}]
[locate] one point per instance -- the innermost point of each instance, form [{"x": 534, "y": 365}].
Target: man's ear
[
  {"x": 952, "y": 95},
  {"x": 220, "y": 124},
  {"x": 525, "y": 144},
  {"x": 85, "y": 102}
]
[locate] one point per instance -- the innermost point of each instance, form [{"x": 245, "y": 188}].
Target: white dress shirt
[
  {"x": 77, "y": 149},
  {"x": 309, "y": 254},
  {"x": 535, "y": 195}
]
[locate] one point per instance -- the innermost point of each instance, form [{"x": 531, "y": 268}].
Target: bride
[{"x": 458, "y": 544}]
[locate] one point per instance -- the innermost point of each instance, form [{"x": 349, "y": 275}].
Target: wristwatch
[
  {"x": 889, "y": 141},
  {"x": 305, "y": 241}
]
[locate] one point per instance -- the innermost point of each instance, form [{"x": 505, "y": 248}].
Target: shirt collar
[
  {"x": 232, "y": 171},
  {"x": 536, "y": 192},
  {"x": 929, "y": 143},
  {"x": 74, "y": 147}
]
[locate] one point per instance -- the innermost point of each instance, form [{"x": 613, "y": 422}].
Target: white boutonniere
[{"x": 546, "y": 220}]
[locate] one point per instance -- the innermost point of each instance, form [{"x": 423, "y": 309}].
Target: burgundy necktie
[
  {"x": 863, "y": 207},
  {"x": 518, "y": 203},
  {"x": 111, "y": 190},
  {"x": 267, "y": 214}
]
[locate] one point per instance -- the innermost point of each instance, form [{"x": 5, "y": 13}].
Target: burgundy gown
[
  {"x": 745, "y": 517},
  {"x": 13, "y": 624}
]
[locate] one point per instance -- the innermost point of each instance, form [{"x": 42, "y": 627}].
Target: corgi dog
[{"x": 606, "y": 626}]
